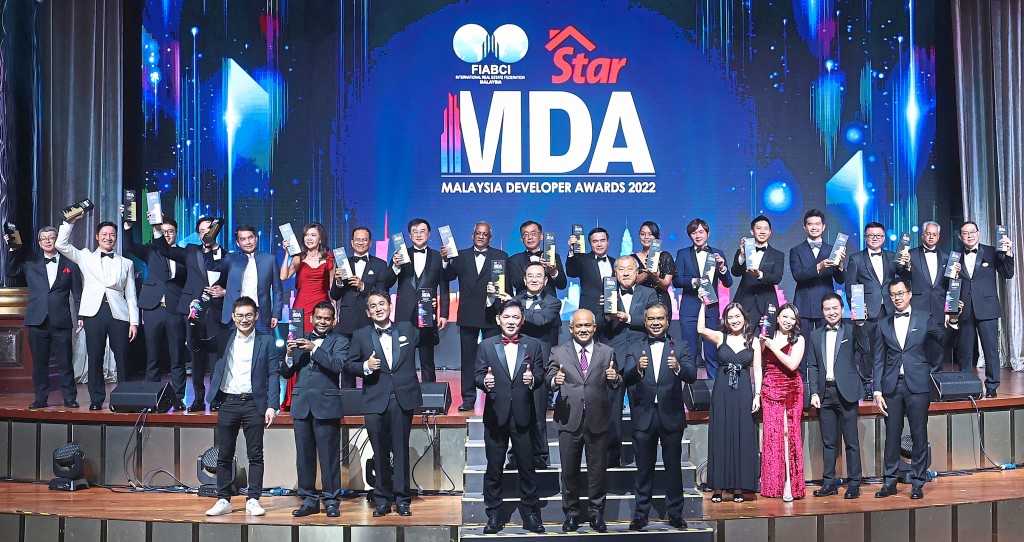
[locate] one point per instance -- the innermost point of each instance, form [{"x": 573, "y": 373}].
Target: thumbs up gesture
[
  {"x": 528, "y": 376},
  {"x": 560, "y": 375},
  {"x": 373, "y": 363},
  {"x": 644, "y": 362},
  {"x": 673, "y": 363},
  {"x": 611, "y": 374},
  {"x": 489, "y": 379}
]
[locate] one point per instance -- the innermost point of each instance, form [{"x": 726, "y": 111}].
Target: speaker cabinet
[
  {"x": 697, "y": 396},
  {"x": 142, "y": 396}
]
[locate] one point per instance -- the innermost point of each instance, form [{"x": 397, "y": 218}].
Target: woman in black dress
[
  {"x": 660, "y": 279},
  {"x": 732, "y": 436}
]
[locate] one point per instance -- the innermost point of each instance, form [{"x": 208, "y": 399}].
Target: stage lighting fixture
[
  {"x": 68, "y": 467},
  {"x": 206, "y": 471}
]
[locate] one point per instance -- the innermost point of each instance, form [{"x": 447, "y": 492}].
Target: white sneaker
[
  {"x": 221, "y": 507},
  {"x": 253, "y": 508}
]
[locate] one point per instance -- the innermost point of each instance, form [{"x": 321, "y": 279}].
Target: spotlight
[
  {"x": 68, "y": 467},
  {"x": 206, "y": 471}
]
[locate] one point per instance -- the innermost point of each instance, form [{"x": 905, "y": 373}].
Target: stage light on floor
[
  {"x": 68, "y": 468},
  {"x": 206, "y": 471}
]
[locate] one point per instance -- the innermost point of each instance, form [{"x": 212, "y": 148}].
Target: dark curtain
[{"x": 989, "y": 36}]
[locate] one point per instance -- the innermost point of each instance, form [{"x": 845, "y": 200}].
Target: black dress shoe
[
  {"x": 639, "y": 522},
  {"x": 493, "y": 526},
  {"x": 96, "y": 406},
  {"x": 852, "y": 492},
  {"x": 381, "y": 510},
  {"x": 333, "y": 511},
  {"x": 597, "y": 523},
  {"x": 197, "y": 406},
  {"x": 466, "y": 407},
  {"x": 215, "y": 406},
  {"x": 827, "y": 490},
  {"x": 990, "y": 394},
  {"x": 179, "y": 407},
  {"x": 403, "y": 510},
  {"x": 533, "y": 523},
  {"x": 540, "y": 464},
  {"x": 571, "y": 524},
  {"x": 38, "y": 404},
  {"x": 886, "y": 491},
  {"x": 917, "y": 492},
  {"x": 306, "y": 510},
  {"x": 72, "y": 404},
  {"x": 677, "y": 521}
]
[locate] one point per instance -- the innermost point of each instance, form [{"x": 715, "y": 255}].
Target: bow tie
[
  {"x": 704, "y": 248},
  {"x": 652, "y": 340},
  {"x": 759, "y": 249},
  {"x": 50, "y": 260},
  {"x": 510, "y": 340},
  {"x": 419, "y": 250},
  {"x": 902, "y": 314},
  {"x": 214, "y": 252},
  {"x": 107, "y": 255},
  {"x": 830, "y": 328},
  {"x": 932, "y": 251},
  {"x": 539, "y": 253},
  {"x": 972, "y": 251},
  {"x": 480, "y": 252},
  {"x": 600, "y": 258},
  {"x": 314, "y": 336},
  {"x": 625, "y": 291},
  {"x": 530, "y": 297},
  {"x": 360, "y": 259},
  {"x": 815, "y": 245},
  {"x": 873, "y": 254},
  {"x": 381, "y": 331}
]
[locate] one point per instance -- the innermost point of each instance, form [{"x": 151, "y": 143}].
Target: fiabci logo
[{"x": 506, "y": 45}]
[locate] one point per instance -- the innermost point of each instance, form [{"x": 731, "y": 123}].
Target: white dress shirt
[
  {"x": 51, "y": 269},
  {"x": 702, "y": 258},
  {"x": 877, "y": 264},
  {"x": 970, "y": 259},
  {"x": 830, "y": 353},
  {"x": 511, "y": 356},
  {"x": 479, "y": 258},
  {"x": 932, "y": 260},
  {"x": 213, "y": 276},
  {"x": 605, "y": 266},
  {"x": 901, "y": 326},
  {"x": 250, "y": 279},
  {"x": 360, "y": 265},
  {"x": 238, "y": 367}
]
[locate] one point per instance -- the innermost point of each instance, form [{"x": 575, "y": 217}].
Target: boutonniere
[
  {"x": 403, "y": 339},
  {"x": 527, "y": 357}
]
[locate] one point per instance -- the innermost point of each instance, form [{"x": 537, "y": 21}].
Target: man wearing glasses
[
  {"x": 533, "y": 236},
  {"x": 163, "y": 323},
  {"x": 875, "y": 268},
  {"x": 245, "y": 382},
  {"x": 980, "y": 265}
]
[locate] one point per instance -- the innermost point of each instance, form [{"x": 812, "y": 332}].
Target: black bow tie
[
  {"x": 873, "y": 254},
  {"x": 314, "y": 336},
  {"x": 704, "y": 248},
  {"x": 902, "y": 314},
  {"x": 972, "y": 251},
  {"x": 107, "y": 255},
  {"x": 625, "y": 291},
  {"x": 419, "y": 250},
  {"x": 759, "y": 249},
  {"x": 600, "y": 258},
  {"x": 830, "y": 328},
  {"x": 214, "y": 252},
  {"x": 539, "y": 253},
  {"x": 381, "y": 331},
  {"x": 931, "y": 251},
  {"x": 480, "y": 251},
  {"x": 652, "y": 340},
  {"x": 360, "y": 259},
  {"x": 529, "y": 297},
  {"x": 50, "y": 260}
]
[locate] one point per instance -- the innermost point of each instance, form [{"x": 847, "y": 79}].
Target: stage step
[
  {"x": 476, "y": 455},
  {"x": 619, "y": 480},
  {"x": 617, "y": 507},
  {"x": 475, "y": 424},
  {"x": 655, "y": 532}
]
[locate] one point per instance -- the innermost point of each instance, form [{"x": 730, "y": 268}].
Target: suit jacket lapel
[
  {"x": 257, "y": 350},
  {"x": 871, "y": 266},
  {"x": 499, "y": 348},
  {"x": 377, "y": 348},
  {"x": 840, "y": 334},
  {"x": 396, "y": 348}
]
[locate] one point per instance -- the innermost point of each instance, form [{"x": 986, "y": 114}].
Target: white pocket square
[
  {"x": 844, "y": 341},
  {"x": 915, "y": 329}
]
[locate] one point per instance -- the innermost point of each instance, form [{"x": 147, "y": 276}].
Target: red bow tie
[{"x": 510, "y": 340}]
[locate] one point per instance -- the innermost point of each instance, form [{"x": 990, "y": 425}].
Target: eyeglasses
[
  {"x": 965, "y": 232},
  {"x": 169, "y": 232},
  {"x": 244, "y": 317},
  {"x": 48, "y": 239},
  {"x": 875, "y": 236},
  {"x": 530, "y": 234},
  {"x": 898, "y": 295}
]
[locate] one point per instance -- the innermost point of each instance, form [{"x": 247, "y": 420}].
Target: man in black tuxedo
[
  {"x": 368, "y": 274},
  {"x": 583, "y": 372},
  {"x": 509, "y": 369},
  {"x": 875, "y": 268},
  {"x": 591, "y": 268},
  {"x": 689, "y": 267},
  {"x": 473, "y": 269},
  {"x": 814, "y": 272},
  {"x": 836, "y": 386},
  {"x": 201, "y": 300},
  {"x": 384, "y": 356},
  {"x": 624, "y": 330},
  {"x": 980, "y": 266},
  {"x": 654, "y": 370},
  {"x": 247, "y": 385},
  {"x": 425, "y": 271},
  {"x": 52, "y": 283},
  {"x": 927, "y": 268},
  {"x": 160, "y": 299},
  {"x": 902, "y": 382},
  {"x": 759, "y": 277},
  {"x": 318, "y": 359},
  {"x": 532, "y": 235}
]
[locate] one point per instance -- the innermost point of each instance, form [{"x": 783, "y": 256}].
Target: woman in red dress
[
  {"x": 312, "y": 271},
  {"x": 782, "y": 403}
]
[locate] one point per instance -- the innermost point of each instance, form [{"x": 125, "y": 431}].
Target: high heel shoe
[
  {"x": 717, "y": 497},
  {"x": 737, "y": 497}
]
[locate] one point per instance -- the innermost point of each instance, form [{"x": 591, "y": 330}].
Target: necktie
[
  {"x": 972, "y": 251},
  {"x": 419, "y": 251},
  {"x": 759, "y": 249},
  {"x": 902, "y": 314},
  {"x": 314, "y": 336},
  {"x": 816, "y": 245},
  {"x": 107, "y": 255},
  {"x": 583, "y": 361},
  {"x": 360, "y": 258},
  {"x": 932, "y": 251},
  {"x": 50, "y": 260},
  {"x": 381, "y": 331},
  {"x": 510, "y": 340}
]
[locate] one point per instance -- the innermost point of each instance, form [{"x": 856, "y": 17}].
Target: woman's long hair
[
  {"x": 723, "y": 326},
  {"x": 322, "y": 247},
  {"x": 794, "y": 334}
]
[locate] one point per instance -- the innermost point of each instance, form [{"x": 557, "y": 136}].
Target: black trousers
[
  {"x": 347, "y": 381},
  {"x": 98, "y": 330},
  {"x": 318, "y": 438},
  {"x": 165, "y": 333},
  {"x": 469, "y": 342},
  {"x": 618, "y": 397},
  {"x": 428, "y": 372},
  {"x": 239, "y": 412},
  {"x": 914, "y": 406},
  {"x": 571, "y": 446},
  {"x": 988, "y": 331},
  {"x": 838, "y": 417},
  {"x": 646, "y": 443},
  {"x": 205, "y": 328},
  {"x": 44, "y": 340},
  {"x": 496, "y": 438},
  {"x": 389, "y": 438}
]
